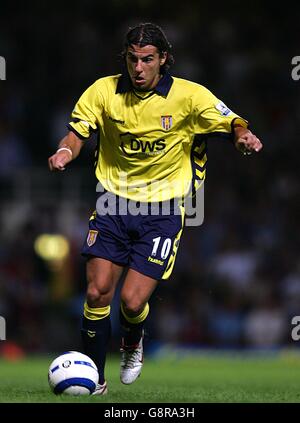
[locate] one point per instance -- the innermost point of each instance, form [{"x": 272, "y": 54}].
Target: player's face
[{"x": 143, "y": 64}]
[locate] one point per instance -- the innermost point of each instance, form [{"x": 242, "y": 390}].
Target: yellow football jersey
[{"x": 152, "y": 145}]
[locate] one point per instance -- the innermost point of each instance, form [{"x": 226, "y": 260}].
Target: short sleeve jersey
[{"x": 151, "y": 144}]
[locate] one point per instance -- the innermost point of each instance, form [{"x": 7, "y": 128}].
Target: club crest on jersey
[
  {"x": 91, "y": 238},
  {"x": 166, "y": 122}
]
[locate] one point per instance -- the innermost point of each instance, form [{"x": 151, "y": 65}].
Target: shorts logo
[
  {"x": 166, "y": 122},
  {"x": 91, "y": 238},
  {"x": 156, "y": 261}
]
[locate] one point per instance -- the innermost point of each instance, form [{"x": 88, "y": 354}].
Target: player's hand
[
  {"x": 246, "y": 142},
  {"x": 59, "y": 160}
]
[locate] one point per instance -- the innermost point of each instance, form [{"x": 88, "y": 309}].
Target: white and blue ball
[{"x": 73, "y": 373}]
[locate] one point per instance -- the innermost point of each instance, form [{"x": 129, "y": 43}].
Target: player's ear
[{"x": 163, "y": 58}]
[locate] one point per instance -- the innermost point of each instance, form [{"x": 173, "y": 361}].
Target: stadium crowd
[{"x": 236, "y": 282}]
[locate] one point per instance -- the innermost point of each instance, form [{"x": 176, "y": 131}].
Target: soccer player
[{"x": 152, "y": 131}]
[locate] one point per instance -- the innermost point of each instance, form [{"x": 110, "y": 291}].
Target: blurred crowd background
[{"x": 236, "y": 283}]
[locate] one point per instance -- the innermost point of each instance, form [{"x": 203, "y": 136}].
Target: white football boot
[
  {"x": 100, "y": 389},
  {"x": 131, "y": 362}
]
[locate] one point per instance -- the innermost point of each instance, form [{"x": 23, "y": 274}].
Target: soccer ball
[{"x": 73, "y": 373}]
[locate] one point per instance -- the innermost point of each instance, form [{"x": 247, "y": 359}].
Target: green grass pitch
[{"x": 205, "y": 378}]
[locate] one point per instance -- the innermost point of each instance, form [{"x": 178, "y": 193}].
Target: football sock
[
  {"x": 133, "y": 326},
  {"x": 95, "y": 334}
]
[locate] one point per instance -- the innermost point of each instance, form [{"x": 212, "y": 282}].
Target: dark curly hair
[{"x": 149, "y": 33}]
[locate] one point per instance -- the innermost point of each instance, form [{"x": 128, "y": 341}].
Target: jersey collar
[{"x": 163, "y": 87}]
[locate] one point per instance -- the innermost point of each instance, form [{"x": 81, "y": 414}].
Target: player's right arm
[
  {"x": 68, "y": 149},
  {"x": 84, "y": 122}
]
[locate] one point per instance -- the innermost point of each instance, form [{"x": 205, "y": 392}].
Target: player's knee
[
  {"x": 98, "y": 296},
  {"x": 133, "y": 307},
  {"x": 93, "y": 294}
]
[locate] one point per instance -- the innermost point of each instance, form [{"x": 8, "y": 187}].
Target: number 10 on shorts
[{"x": 162, "y": 248}]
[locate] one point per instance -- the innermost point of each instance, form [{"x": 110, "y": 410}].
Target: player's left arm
[
  {"x": 245, "y": 141},
  {"x": 211, "y": 116}
]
